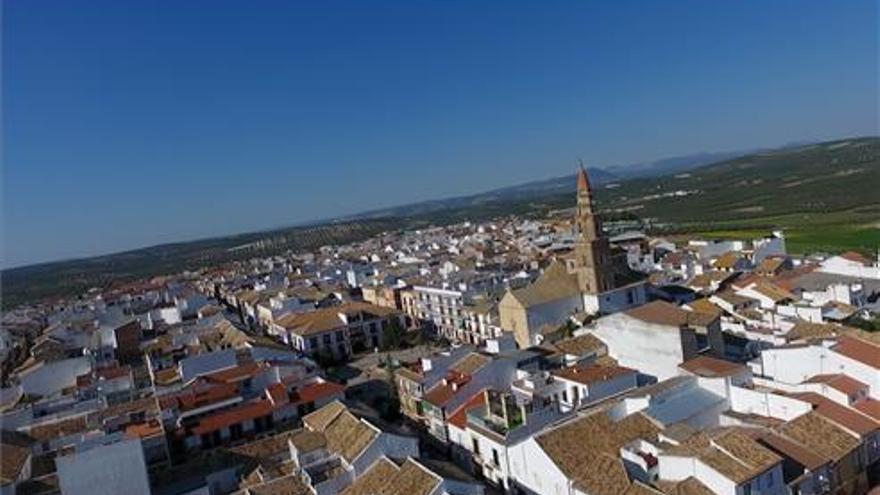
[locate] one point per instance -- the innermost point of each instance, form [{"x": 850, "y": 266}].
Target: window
[
  {"x": 236, "y": 431},
  {"x": 495, "y": 458},
  {"x": 339, "y": 337},
  {"x": 313, "y": 342},
  {"x": 476, "y": 445},
  {"x": 564, "y": 396},
  {"x": 327, "y": 339}
]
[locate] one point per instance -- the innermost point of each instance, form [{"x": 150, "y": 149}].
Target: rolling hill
[
  {"x": 518, "y": 193},
  {"x": 816, "y": 178},
  {"x": 826, "y": 196}
]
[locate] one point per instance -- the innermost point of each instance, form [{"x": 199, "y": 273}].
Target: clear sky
[{"x": 132, "y": 123}]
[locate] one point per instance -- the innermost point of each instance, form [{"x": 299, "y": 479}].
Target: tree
[
  {"x": 421, "y": 337},
  {"x": 568, "y": 329},
  {"x": 393, "y": 338},
  {"x": 392, "y": 407},
  {"x": 868, "y": 325},
  {"x": 325, "y": 358}
]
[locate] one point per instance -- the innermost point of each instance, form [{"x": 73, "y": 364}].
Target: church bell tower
[{"x": 591, "y": 250}]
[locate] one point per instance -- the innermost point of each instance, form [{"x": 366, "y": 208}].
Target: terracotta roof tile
[
  {"x": 442, "y": 393},
  {"x": 329, "y": 319},
  {"x": 264, "y": 448},
  {"x": 859, "y": 350},
  {"x": 459, "y": 416},
  {"x": 318, "y": 420},
  {"x": 843, "y": 383},
  {"x": 14, "y": 458},
  {"x": 805, "y": 330},
  {"x": 739, "y": 457},
  {"x": 145, "y": 429},
  {"x": 470, "y": 364},
  {"x": 412, "y": 479},
  {"x": 870, "y": 407},
  {"x": 316, "y": 391},
  {"x": 235, "y": 415},
  {"x": 637, "y": 488},
  {"x": 844, "y": 416},
  {"x": 687, "y": 486},
  {"x": 348, "y": 436},
  {"x": 288, "y": 485},
  {"x": 114, "y": 372},
  {"x": 820, "y": 436},
  {"x": 773, "y": 291},
  {"x": 707, "y": 366},
  {"x": 580, "y": 345},
  {"x": 374, "y": 480},
  {"x": 307, "y": 440},
  {"x": 727, "y": 261},
  {"x": 586, "y": 449},
  {"x": 856, "y": 257},
  {"x": 58, "y": 429},
  {"x": 664, "y": 313},
  {"x": 236, "y": 373},
  {"x": 200, "y": 395},
  {"x": 554, "y": 284},
  {"x": 703, "y": 305},
  {"x": 592, "y": 373},
  {"x": 792, "y": 450}
]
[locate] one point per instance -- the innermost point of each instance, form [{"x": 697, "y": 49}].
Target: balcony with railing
[{"x": 510, "y": 418}]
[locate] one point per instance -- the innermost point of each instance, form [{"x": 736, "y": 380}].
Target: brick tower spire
[{"x": 592, "y": 250}]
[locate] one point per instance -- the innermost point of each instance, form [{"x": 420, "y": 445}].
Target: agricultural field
[{"x": 857, "y": 229}]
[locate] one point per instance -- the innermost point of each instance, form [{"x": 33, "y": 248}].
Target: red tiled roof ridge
[{"x": 459, "y": 416}]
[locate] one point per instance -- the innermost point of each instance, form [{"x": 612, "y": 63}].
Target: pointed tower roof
[{"x": 583, "y": 180}]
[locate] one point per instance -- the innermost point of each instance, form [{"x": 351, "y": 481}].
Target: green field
[
  {"x": 857, "y": 229},
  {"x": 824, "y": 196}
]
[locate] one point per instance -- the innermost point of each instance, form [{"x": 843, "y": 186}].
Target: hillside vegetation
[
  {"x": 819, "y": 178},
  {"x": 826, "y": 196}
]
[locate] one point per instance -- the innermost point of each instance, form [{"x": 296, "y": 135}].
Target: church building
[
  {"x": 598, "y": 282},
  {"x": 606, "y": 282}
]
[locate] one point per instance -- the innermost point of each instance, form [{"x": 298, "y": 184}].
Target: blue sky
[{"x": 128, "y": 124}]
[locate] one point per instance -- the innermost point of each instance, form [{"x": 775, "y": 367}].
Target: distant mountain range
[
  {"x": 557, "y": 185},
  {"x": 535, "y": 189},
  {"x": 673, "y": 165},
  {"x": 693, "y": 191}
]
